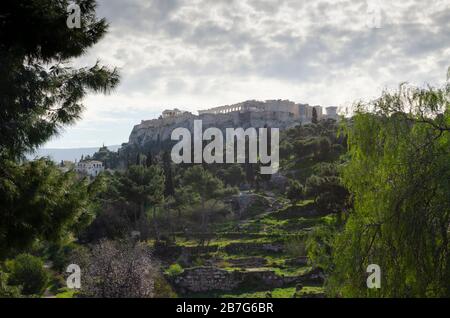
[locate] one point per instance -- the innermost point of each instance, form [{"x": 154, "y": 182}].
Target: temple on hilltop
[
  {"x": 169, "y": 113},
  {"x": 282, "y": 114},
  {"x": 302, "y": 112}
]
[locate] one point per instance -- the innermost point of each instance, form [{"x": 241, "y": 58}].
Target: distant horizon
[
  {"x": 68, "y": 154},
  {"x": 68, "y": 148}
]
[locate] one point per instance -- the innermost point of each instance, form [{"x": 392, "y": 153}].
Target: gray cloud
[
  {"x": 208, "y": 52},
  {"x": 286, "y": 40}
]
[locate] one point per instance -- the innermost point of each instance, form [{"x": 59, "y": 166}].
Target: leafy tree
[
  {"x": 38, "y": 201},
  {"x": 308, "y": 144},
  {"x": 39, "y": 92},
  {"x": 142, "y": 187},
  {"x": 399, "y": 176},
  {"x": 117, "y": 270},
  {"x": 28, "y": 271},
  {"x": 314, "y": 119},
  {"x": 167, "y": 167},
  {"x": 208, "y": 188},
  {"x": 110, "y": 222},
  {"x": 234, "y": 175},
  {"x": 323, "y": 148},
  {"x": 319, "y": 246},
  {"x": 295, "y": 191},
  {"x": 7, "y": 291},
  {"x": 328, "y": 190},
  {"x": 306, "y": 147},
  {"x": 184, "y": 198},
  {"x": 136, "y": 191},
  {"x": 124, "y": 205}
]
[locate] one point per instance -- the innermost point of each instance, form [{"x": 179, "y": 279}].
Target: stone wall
[
  {"x": 236, "y": 248},
  {"x": 206, "y": 279},
  {"x": 203, "y": 279}
]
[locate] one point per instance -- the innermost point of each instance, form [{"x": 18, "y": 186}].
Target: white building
[{"x": 90, "y": 167}]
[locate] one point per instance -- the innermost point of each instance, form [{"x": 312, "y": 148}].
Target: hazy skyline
[{"x": 199, "y": 54}]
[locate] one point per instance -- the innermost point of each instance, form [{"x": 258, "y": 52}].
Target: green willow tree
[
  {"x": 40, "y": 93},
  {"x": 399, "y": 177}
]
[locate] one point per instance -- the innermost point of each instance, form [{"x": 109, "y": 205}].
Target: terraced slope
[{"x": 260, "y": 255}]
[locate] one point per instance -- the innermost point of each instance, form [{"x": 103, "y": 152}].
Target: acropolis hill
[{"x": 281, "y": 114}]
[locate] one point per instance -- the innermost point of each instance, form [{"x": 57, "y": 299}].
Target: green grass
[
  {"x": 222, "y": 242},
  {"x": 291, "y": 271},
  {"x": 66, "y": 293},
  {"x": 174, "y": 270},
  {"x": 304, "y": 202},
  {"x": 284, "y": 292},
  {"x": 310, "y": 290},
  {"x": 275, "y": 293},
  {"x": 272, "y": 226}
]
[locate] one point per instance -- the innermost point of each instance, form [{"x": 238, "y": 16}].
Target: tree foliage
[
  {"x": 399, "y": 177},
  {"x": 295, "y": 191},
  {"x": 117, "y": 270},
  {"x": 124, "y": 205},
  {"x": 28, "y": 272},
  {"x": 203, "y": 184},
  {"x": 315, "y": 118},
  {"x": 6, "y": 290},
  {"x": 37, "y": 201},
  {"x": 327, "y": 189},
  {"x": 39, "y": 91}
]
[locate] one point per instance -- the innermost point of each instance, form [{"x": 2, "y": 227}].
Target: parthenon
[
  {"x": 302, "y": 112},
  {"x": 298, "y": 111},
  {"x": 227, "y": 109},
  {"x": 252, "y": 105},
  {"x": 282, "y": 114},
  {"x": 221, "y": 110}
]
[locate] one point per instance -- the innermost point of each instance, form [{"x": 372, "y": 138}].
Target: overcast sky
[{"x": 195, "y": 54}]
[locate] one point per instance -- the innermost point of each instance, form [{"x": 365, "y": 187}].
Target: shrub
[
  {"x": 7, "y": 291},
  {"x": 295, "y": 191},
  {"x": 319, "y": 246},
  {"x": 28, "y": 271},
  {"x": 60, "y": 255},
  {"x": 295, "y": 247},
  {"x": 174, "y": 270},
  {"x": 163, "y": 289}
]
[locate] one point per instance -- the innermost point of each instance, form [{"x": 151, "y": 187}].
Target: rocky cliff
[{"x": 160, "y": 130}]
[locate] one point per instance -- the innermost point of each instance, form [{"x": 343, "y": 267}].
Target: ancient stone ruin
[{"x": 282, "y": 114}]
